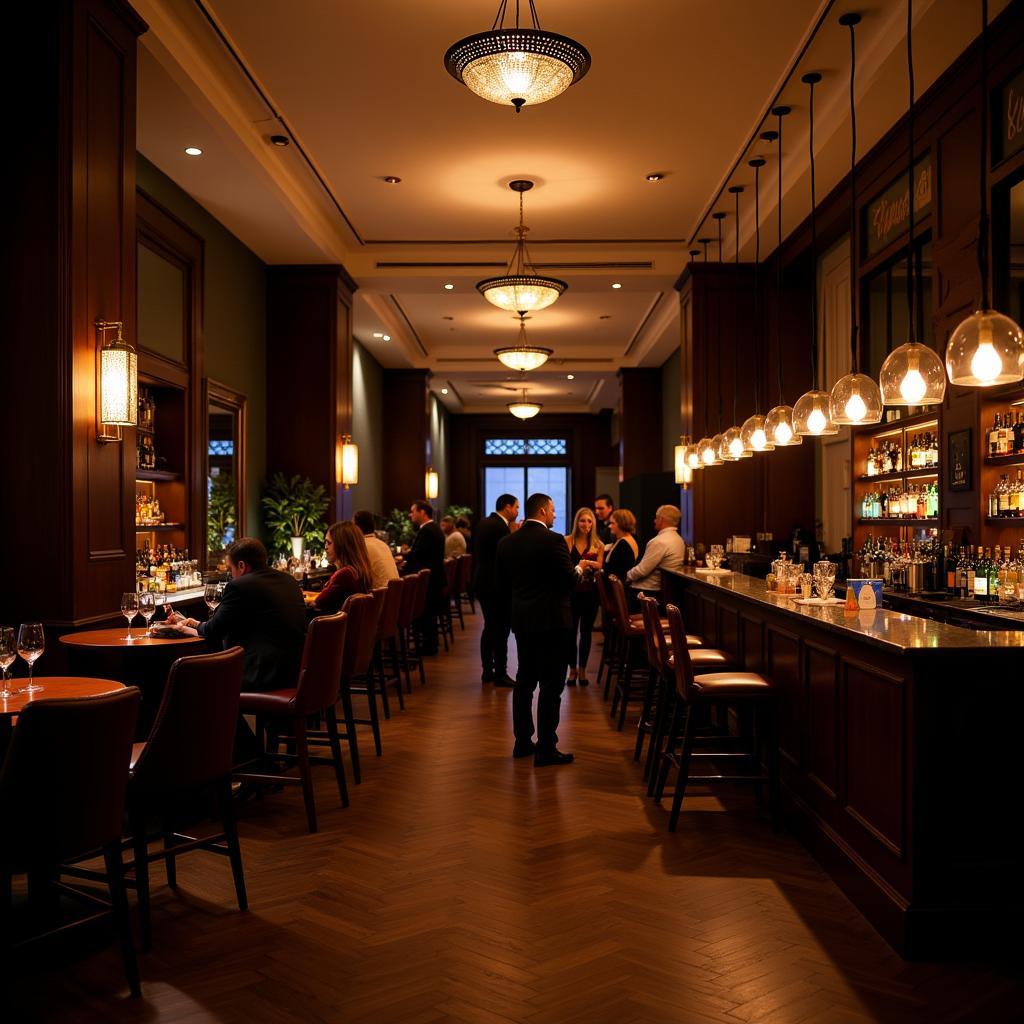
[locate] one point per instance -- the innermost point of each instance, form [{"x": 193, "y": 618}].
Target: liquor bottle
[
  {"x": 950, "y": 570},
  {"x": 1018, "y": 436},
  {"x": 994, "y": 567},
  {"x": 980, "y": 588},
  {"x": 1017, "y": 497}
]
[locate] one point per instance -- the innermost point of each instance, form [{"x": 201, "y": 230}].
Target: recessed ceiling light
[
  {"x": 193, "y": 151},
  {"x": 616, "y": 285},
  {"x": 444, "y": 391},
  {"x": 390, "y": 179},
  {"x": 378, "y": 334},
  {"x": 385, "y": 337},
  {"x": 448, "y": 287},
  {"x": 280, "y": 140},
  {"x": 570, "y": 376},
  {"x": 655, "y": 176},
  {"x": 605, "y": 316}
]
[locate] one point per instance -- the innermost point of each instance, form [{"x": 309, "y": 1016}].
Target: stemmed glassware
[
  {"x": 8, "y": 652},
  {"x": 825, "y": 579},
  {"x": 714, "y": 556},
  {"x": 160, "y": 600},
  {"x": 212, "y": 596},
  {"x": 147, "y": 607},
  {"x": 31, "y": 644},
  {"x": 129, "y": 609}
]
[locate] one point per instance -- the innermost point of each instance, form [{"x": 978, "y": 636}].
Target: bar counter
[{"x": 898, "y": 739}]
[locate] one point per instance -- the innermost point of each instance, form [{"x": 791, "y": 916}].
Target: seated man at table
[
  {"x": 665, "y": 550},
  {"x": 382, "y": 562},
  {"x": 263, "y": 612}
]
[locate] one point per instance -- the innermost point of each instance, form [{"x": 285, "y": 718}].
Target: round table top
[
  {"x": 56, "y": 686},
  {"x": 117, "y": 638}
]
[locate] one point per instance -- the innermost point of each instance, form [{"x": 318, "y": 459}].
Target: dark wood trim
[{"x": 238, "y": 403}]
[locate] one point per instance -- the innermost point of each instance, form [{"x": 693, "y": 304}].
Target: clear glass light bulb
[
  {"x": 986, "y": 364},
  {"x": 816, "y": 422},
  {"x": 855, "y": 408},
  {"x": 693, "y": 457},
  {"x": 758, "y": 439},
  {"x": 707, "y": 455},
  {"x": 736, "y": 447},
  {"x": 783, "y": 433},
  {"x": 913, "y": 387}
]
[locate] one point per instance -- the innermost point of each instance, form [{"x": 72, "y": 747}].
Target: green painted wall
[
  {"x": 367, "y": 420},
  {"x": 234, "y": 318}
]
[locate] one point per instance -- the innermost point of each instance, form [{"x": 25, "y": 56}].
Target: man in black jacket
[
  {"x": 427, "y": 552},
  {"x": 535, "y": 571},
  {"x": 494, "y": 637}
]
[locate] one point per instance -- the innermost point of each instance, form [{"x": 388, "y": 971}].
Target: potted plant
[
  {"x": 221, "y": 513},
  {"x": 294, "y": 513},
  {"x": 399, "y": 527}
]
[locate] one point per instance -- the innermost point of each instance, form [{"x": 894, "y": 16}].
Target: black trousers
[
  {"x": 584, "y": 611},
  {"x": 494, "y": 637},
  {"x": 542, "y": 662},
  {"x": 426, "y": 625}
]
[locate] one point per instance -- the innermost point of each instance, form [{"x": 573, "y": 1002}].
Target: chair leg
[
  {"x": 230, "y": 825},
  {"x": 371, "y": 696},
  {"x": 670, "y": 745},
  {"x": 458, "y": 608},
  {"x": 645, "y": 713},
  {"x": 684, "y": 771},
  {"x": 661, "y": 718},
  {"x": 350, "y": 732},
  {"x": 627, "y": 693},
  {"x": 140, "y": 850},
  {"x": 335, "y": 744},
  {"x": 398, "y": 673},
  {"x": 305, "y": 773},
  {"x": 122, "y": 922},
  {"x": 403, "y": 651},
  {"x": 378, "y": 663},
  {"x": 170, "y": 859},
  {"x": 610, "y": 664}
]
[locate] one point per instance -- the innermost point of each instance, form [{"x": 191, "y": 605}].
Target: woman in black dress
[
  {"x": 623, "y": 552},
  {"x": 585, "y": 549}
]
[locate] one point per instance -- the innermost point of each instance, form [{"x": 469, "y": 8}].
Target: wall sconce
[
  {"x": 684, "y": 472},
  {"x": 347, "y": 461},
  {"x": 117, "y": 398},
  {"x": 431, "y": 483}
]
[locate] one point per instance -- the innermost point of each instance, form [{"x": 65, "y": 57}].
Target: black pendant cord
[
  {"x": 757, "y": 163},
  {"x": 499, "y": 18},
  {"x": 778, "y": 262},
  {"x": 984, "y": 218},
  {"x": 851, "y": 21},
  {"x": 911, "y": 334},
  {"x": 811, "y": 80},
  {"x": 736, "y": 190},
  {"x": 718, "y": 217},
  {"x": 704, "y": 242}
]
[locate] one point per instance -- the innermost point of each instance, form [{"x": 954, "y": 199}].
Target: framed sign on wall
[{"x": 960, "y": 460}]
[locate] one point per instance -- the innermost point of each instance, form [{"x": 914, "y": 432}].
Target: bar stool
[
  {"x": 445, "y": 626},
  {"x": 357, "y": 676},
  {"x": 708, "y": 690},
  {"x": 609, "y": 652},
  {"x": 463, "y": 564},
  {"x": 387, "y": 633},
  {"x": 465, "y": 594},
  {"x": 418, "y": 611},
  {"x": 410, "y": 585}
]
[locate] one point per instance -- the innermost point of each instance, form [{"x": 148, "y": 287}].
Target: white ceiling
[{"x": 677, "y": 86}]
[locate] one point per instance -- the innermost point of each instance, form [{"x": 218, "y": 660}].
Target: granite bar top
[{"x": 881, "y": 627}]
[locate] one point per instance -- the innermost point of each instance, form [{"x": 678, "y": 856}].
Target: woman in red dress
[{"x": 346, "y": 550}]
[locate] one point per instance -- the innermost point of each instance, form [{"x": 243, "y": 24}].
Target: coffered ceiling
[{"x": 677, "y": 87}]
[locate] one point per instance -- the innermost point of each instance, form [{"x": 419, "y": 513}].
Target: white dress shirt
[
  {"x": 454, "y": 545},
  {"x": 382, "y": 562},
  {"x": 664, "y": 551}
]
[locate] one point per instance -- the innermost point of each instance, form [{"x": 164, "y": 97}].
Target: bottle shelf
[
  {"x": 1017, "y": 521},
  {"x": 159, "y": 528},
  {"x": 895, "y": 521},
  {"x": 1005, "y": 460},
  {"x": 904, "y": 474},
  {"x": 156, "y": 475}
]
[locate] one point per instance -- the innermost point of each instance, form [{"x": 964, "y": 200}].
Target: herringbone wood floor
[{"x": 462, "y": 886}]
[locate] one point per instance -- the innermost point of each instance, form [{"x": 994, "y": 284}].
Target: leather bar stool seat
[
  {"x": 709, "y": 659},
  {"x": 722, "y": 685}
]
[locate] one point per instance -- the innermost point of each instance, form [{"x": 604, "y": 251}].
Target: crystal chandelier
[
  {"x": 517, "y": 65},
  {"x": 523, "y": 356},
  {"x": 521, "y": 289},
  {"x": 524, "y": 409},
  {"x": 855, "y": 398}
]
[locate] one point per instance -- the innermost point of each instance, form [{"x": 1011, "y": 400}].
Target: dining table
[{"x": 49, "y": 688}]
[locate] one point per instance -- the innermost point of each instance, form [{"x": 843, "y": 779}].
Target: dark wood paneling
[
  {"x": 406, "y": 438},
  {"x": 729, "y": 627},
  {"x": 783, "y": 668},
  {"x": 822, "y": 717},
  {"x": 639, "y": 421},
  {"x": 752, "y": 638}
]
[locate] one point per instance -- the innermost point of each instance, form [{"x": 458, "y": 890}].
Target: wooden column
[
  {"x": 309, "y": 374},
  {"x": 66, "y": 520},
  {"x": 406, "y": 437},
  {"x": 639, "y": 422}
]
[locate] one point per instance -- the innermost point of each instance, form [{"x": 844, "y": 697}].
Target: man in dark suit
[
  {"x": 494, "y": 637},
  {"x": 534, "y": 569},
  {"x": 427, "y": 552},
  {"x": 604, "y": 507},
  {"x": 263, "y": 612}
]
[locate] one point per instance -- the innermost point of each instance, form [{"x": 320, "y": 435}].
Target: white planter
[{"x": 297, "y": 545}]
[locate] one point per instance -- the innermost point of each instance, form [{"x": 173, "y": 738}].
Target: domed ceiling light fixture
[
  {"x": 812, "y": 414},
  {"x": 752, "y": 433},
  {"x": 524, "y": 409},
  {"x": 521, "y": 289},
  {"x": 778, "y": 424},
  {"x": 517, "y": 65},
  {"x": 523, "y": 356},
  {"x": 912, "y": 374},
  {"x": 988, "y": 347},
  {"x": 855, "y": 398}
]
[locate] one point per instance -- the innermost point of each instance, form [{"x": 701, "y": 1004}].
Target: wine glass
[
  {"x": 211, "y": 595},
  {"x": 129, "y": 609},
  {"x": 825, "y": 579},
  {"x": 147, "y": 606},
  {"x": 8, "y": 652},
  {"x": 160, "y": 601},
  {"x": 31, "y": 644}
]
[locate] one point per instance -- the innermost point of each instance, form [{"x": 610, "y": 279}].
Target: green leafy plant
[
  {"x": 399, "y": 527},
  {"x": 294, "y": 508},
  {"x": 221, "y": 512},
  {"x": 459, "y": 510}
]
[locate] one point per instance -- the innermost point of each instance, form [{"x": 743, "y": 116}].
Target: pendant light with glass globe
[
  {"x": 523, "y": 356},
  {"x": 988, "y": 347},
  {"x": 912, "y": 374},
  {"x": 733, "y": 437},
  {"x": 778, "y": 423},
  {"x": 812, "y": 414},
  {"x": 856, "y": 399},
  {"x": 752, "y": 432}
]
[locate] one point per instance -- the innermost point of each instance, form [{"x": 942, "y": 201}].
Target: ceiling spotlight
[
  {"x": 280, "y": 140},
  {"x": 655, "y": 177},
  {"x": 193, "y": 151},
  {"x": 390, "y": 179},
  {"x": 616, "y": 285},
  {"x": 378, "y": 334},
  {"x": 448, "y": 287},
  {"x": 570, "y": 376},
  {"x": 385, "y": 337},
  {"x": 444, "y": 391}
]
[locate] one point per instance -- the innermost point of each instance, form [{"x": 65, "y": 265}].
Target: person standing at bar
[
  {"x": 665, "y": 550},
  {"x": 427, "y": 552},
  {"x": 604, "y": 507},
  {"x": 534, "y": 567},
  {"x": 494, "y": 636}
]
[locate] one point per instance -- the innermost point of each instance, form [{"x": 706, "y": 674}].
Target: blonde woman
[{"x": 586, "y": 550}]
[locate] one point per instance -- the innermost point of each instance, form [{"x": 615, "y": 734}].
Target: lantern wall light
[
  {"x": 348, "y": 461},
  {"x": 117, "y": 399}
]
